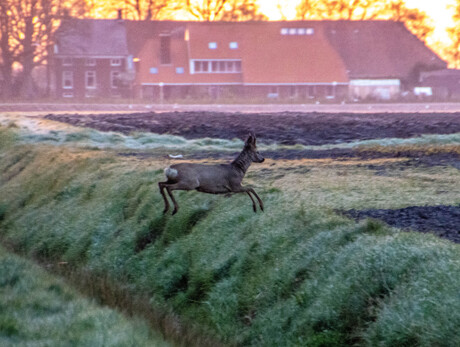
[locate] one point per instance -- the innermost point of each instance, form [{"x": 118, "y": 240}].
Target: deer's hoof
[{"x": 174, "y": 212}]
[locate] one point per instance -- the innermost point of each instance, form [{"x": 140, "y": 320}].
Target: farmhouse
[
  {"x": 290, "y": 60},
  {"x": 442, "y": 84}
]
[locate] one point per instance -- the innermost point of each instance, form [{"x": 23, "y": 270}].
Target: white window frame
[
  {"x": 87, "y": 76},
  {"x": 115, "y": 62},
  {"x": 212, "y": 45},
  {"x": 90, "y": 62},
  {"x": 114, "y": 75},
  {"x": 233, "y": 45},
  {"x": 330, "y": 91},
  {"x": 215, "y": 66},
  {"x": 67, "y": 75}
]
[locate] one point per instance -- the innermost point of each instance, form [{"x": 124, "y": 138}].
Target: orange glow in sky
[{"x": 437, "y": 9}]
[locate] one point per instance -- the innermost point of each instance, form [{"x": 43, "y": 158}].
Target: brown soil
[
  {"x": 285, "y": 128},
  {"x": 444, "y": 221}
]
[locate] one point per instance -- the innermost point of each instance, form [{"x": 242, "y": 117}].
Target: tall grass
[
  {"x": 298, "y": 274},
  {"x": 39, "y": 310}
]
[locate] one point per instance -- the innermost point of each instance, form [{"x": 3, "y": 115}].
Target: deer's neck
[{"x": 242, "y": 162}]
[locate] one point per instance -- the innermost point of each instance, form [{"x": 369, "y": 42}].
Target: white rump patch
[{"x": 171, "y": 173}]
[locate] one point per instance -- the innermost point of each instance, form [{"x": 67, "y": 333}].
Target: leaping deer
[{"x": 213, "y": 179}]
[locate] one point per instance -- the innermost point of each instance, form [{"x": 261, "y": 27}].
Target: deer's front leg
[
  {"x": 248, "y": 191},
  {"x": 261, "y": 204}
]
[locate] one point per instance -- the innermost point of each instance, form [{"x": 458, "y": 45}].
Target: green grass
[
  {"x": 37, "y": 309},
  {"x": 298, "y": 274}
]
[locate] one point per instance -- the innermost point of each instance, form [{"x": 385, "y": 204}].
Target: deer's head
[{"x": 251, "y": 148}]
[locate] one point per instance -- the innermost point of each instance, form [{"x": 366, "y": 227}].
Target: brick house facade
[{"x": 296, "y": 60}]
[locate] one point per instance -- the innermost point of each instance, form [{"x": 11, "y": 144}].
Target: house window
[
  {"x": 201, "y": 66},
  {"x": 273, "y": 92},
  {"x": 179, "y": 70},
  {"x": 90, "y": 62},
  {"x": 115, "y": 62},
  {"x": 216, "y": 66},
  {"x": 165, "y": 49},
  {"x": 67, "y": 94},
  {"x": 67, "y": 80},
  {"x": 284, "y": 31},
  {"x": 67, "y": 62},
  {"x": 212, "y": 45},
  {"x": 330, "y": 92},
  {"x": 114, "y": 79},
  {"x": 153, "y": 70},
  {"x": 237, "y": 66},
  {"x": 90, "y": 79},
  {"x": 301, "y": 31},
  {"x": 311, "y": 92},
  {"x": 293, "y": 92},
  {"x": 310, "y": 31},
  {"x": 233, "y": 45}
]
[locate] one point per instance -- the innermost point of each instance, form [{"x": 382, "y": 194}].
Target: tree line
[{"x": 27, "y": 27}]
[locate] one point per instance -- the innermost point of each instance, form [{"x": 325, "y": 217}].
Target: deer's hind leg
[
  {"x": 162, "y": 186},
  {"x": 179, "y": 186}
]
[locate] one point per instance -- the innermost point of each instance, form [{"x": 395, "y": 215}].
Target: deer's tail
[{"x": 171, "y": 173}]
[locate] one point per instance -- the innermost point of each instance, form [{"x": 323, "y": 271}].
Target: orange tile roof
[{"x": 294, "y": 52}]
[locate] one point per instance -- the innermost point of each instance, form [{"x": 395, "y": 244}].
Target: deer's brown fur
[{"x": 213, "y": 179}]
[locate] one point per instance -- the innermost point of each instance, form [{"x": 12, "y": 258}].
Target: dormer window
[{"x": 212, "y": 45}]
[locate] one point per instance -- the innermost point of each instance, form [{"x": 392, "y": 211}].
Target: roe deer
[{"x": 213, "y": 179}]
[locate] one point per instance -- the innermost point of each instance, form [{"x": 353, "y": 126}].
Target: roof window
[
  {"x": 212, "y": 45},
  {"x": 297, "y": 31}
]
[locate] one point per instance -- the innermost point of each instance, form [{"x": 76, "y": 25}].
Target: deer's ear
[{"x": 251, "y": 139}]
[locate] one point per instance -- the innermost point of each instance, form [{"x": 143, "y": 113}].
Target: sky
[{"x": 436, "y": 9}]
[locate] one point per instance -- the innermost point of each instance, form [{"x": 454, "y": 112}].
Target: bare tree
[
  {"x": 206, "y": 10},
  {"x": 339, "y": 9},
  {"x": 453, "y": 51},
  {"x": 415, "y": 20},
  {"x": 141, "y": 9},
  {"x": 26, "y": 38},
  {"x": 241, "y": 10}
]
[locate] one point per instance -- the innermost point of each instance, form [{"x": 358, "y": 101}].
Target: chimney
[{"x": 120, "y": 13}]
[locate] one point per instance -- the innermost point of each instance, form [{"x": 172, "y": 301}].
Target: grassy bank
[
  {"x": 298, "y": 274},
  {"x": 36, "y": 309}
]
